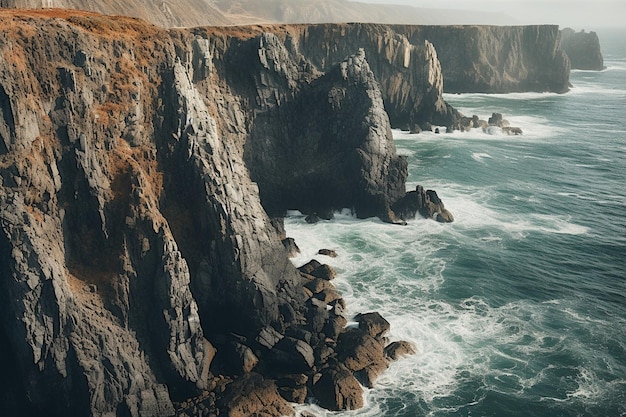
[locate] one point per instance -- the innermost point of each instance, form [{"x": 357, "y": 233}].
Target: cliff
[
  {"x": 583, "y": 49},
  {"x": 138, "y": 265},
  {"x": 496, "y": 59}
]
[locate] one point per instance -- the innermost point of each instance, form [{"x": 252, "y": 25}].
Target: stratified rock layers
[{"x": 496, "y": 59}]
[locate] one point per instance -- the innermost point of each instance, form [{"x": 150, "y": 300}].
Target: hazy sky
[{"x": 579, "y": 14}]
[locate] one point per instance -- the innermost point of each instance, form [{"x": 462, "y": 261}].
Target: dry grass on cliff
[{"x": 110, "y": 26}]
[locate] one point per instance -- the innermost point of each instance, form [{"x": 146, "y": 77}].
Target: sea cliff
[
  {"x": 583, "y": 49},
  {"x": 496, "y": 59},
  {"x": 142, "y": 172},
  {"x": 139, "y": 267}
]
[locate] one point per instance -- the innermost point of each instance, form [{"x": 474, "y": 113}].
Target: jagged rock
[
  {"x": 373, "y": 324},
  {"x": 512, "y": 130},
  {"x": 291, "y": 247},
  {"x": 497, "y": 120},
  {"x": 268, "y": 337},
  {"x": 396, "y": 350},
  {"x": 328, "y": 295},
  {"x": 425, "y": 202},
  {"x": 334, "y": 326},
  {"x": 324, "y": 272},
  {"x": 327, "y": 252},
  {"x": 312, "y": 218},
  {"x": 309, "y": 266},
  {"x": 358, "y": 350},
  {"x": 292, "y": 354},
  {"x": 338, "y": 390},
  {"x": 357, "y": 168},
  {"x": 252, "y": 395},
  {"x": 317, "y": 285},
  {"x": 293, "y": 388},
  {"x": 316, "y": 315},
  {"x": 237, "y": 358}
]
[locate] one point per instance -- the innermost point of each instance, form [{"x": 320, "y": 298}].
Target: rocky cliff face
[
  {"x": 137, "y": 259},
  {"x": 583, "y": 49},
  {"x": 496, "y": 59}
]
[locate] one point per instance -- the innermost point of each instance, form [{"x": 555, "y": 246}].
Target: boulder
[
  {"x": 512, "y": 130},
  {"x": 324, "y": 272},
  {"x": 309, "y": 266},
  {"x": 327, "y": 252},
  {"x": 334, "y": 326},
  {"x": 396, "y": 350},
  {"x": 358, "y": 350},
  {"x": 292, "y": 354},
  {"x": 268, "y": 337},
  {"x": 425, "y": 202},
  {"x": 293, "y": 388},
  {"x": 253, "y": 395},
  {"x": 496, "y": 120},
  {"x": 373, "y": 324},
  {"x": 338, "y": 390},
  {"x": 317, "y": 285},
  {"x": 291, "y": 247}
]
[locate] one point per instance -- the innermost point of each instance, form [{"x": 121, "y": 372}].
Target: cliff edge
[{"x": 496, "y": 59}]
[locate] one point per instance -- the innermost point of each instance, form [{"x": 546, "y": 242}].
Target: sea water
[{"x": 518, "y": 308}]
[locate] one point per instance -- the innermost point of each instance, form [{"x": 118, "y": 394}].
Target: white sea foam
[
  {"x": 480, "y": 156},
  {"x": 451, "y": 339}
]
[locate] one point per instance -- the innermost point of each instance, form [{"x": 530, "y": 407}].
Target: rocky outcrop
[
  {"x": 140, "y": 272},
  {"x": 409, "y": 73},
  {"x": 496, "y": 59},
  {"x": 425, "y": 202},
  {"x": 583, "y": 49}
]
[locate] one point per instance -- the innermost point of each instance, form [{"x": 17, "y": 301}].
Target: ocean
[{"x": 518, "y": 308}]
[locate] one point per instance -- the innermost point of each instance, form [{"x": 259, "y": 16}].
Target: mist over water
[{"x": 518, "y": 308}]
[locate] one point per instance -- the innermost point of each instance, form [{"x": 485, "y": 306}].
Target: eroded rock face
[
  {"x": 583, "y": 49},
  {"x": 133, "y": 240},
  {"x": 496, "y": 59}
]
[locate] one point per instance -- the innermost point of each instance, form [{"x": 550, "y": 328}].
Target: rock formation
[
  {"x": 496, "y": 59},
  {"x": 139, "y": 271},
  {"x": 583, "y": 49}
]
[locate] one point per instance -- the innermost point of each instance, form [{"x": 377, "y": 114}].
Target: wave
[{"x": 473, "y": 97}]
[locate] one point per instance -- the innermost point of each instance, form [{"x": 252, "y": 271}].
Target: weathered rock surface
[
  {"x": 583, "y": 49},
  {"x": 425, "y": 202},
  {"x": 496, "y": 59},
  {"x": 133, "y": 240}
]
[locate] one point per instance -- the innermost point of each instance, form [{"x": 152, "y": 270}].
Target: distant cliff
[
  {"x": 583, "y": 49},
  {"x": 188, "y": 13},
  {"x": 496, "y": 59}
]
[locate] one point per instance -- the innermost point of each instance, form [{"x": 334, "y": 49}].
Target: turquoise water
[{"x": 519, "y": 307}]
